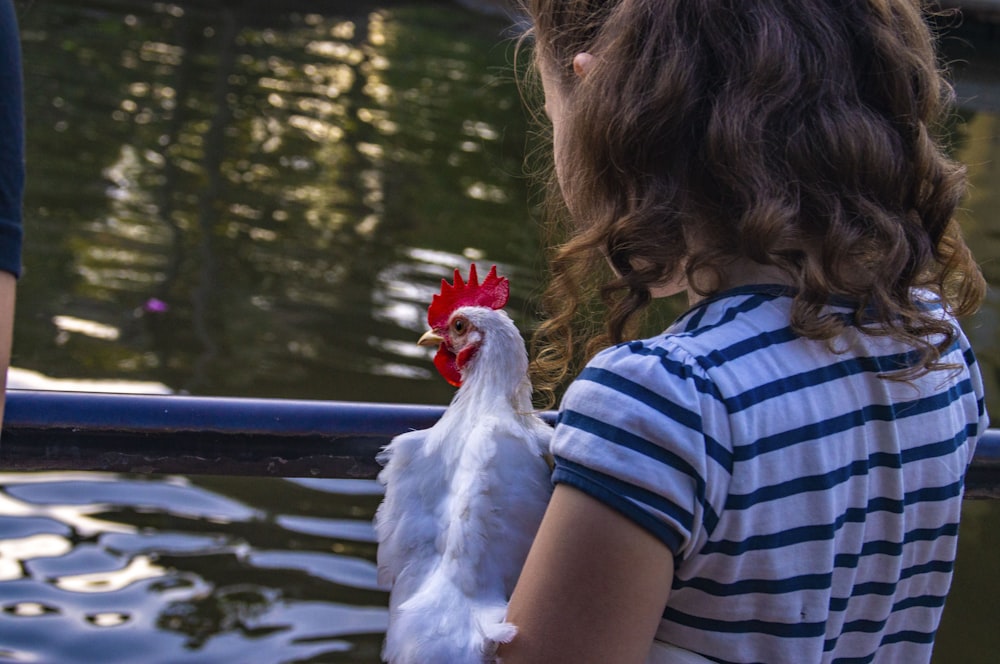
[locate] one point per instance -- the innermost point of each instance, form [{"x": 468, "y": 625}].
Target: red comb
[{"x": 493, "y": 293}]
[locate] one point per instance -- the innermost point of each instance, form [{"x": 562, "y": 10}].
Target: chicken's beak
[{"x": 430, "y": 338}]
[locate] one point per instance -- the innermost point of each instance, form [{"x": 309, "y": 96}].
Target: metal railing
[{"x": 236, "y": 436}]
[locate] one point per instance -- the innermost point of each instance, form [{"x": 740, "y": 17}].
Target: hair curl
[{"x": 794, "y": 133}]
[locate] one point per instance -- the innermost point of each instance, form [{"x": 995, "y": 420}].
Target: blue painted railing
[{"x": 230, "y": 436}]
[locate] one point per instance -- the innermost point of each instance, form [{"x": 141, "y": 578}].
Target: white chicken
[{"x": 463, "y": 499}]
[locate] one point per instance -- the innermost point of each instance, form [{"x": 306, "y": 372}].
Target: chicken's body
[{"x": 463, "y": 501}]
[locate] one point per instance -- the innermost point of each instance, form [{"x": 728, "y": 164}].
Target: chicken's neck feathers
[
  {"x": 495, "y": 381},
  {"x": 499, "y": 369}
]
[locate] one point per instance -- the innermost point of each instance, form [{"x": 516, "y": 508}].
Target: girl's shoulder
[
  {"x": 741, "y": 339},
  {"x": 703, "y": 335}
]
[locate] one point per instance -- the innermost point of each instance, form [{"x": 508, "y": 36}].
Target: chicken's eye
[{"x": 458, "y": 325}]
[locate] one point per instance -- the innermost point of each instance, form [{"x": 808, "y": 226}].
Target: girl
[{"x": 778, "y": 477}]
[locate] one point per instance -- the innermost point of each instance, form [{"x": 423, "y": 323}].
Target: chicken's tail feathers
[
  {"x": 448, "y": 628},
  {"x": 492, "y": 623},
  {"x": 495, "y": 630}
]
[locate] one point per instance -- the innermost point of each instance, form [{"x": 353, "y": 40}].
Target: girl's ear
[{"x": 582, "y": 63}]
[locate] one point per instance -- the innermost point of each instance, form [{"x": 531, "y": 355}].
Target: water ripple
[{"x": 165, "y": 569}]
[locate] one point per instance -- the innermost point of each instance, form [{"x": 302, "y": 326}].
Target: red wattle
[
  {"x": 464, "y": 356},
  {"x": 446, "y": 364}
]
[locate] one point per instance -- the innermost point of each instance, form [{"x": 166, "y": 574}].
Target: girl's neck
[{"x": 743, "y": 272}]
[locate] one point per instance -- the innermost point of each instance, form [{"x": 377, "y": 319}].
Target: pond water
[{"x": 235, "y": 199}]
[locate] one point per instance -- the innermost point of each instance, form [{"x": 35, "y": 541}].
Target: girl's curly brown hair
[{"x": 793, "y": 133}]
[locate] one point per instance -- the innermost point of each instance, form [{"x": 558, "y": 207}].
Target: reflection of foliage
[
  {"x": 249, "y": 600},
  {"x": 255, "y": 169},
  {"x": 225, "y": 610},
  {"x": 238, "y": 594}
]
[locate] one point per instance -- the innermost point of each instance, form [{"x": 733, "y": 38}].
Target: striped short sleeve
[{"x": 635, "y": 431}]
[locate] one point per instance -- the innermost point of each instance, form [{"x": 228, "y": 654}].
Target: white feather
[{"x": 463, "y": 501}]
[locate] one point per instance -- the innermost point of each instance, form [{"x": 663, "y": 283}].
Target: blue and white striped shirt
[{"x": 811, "y": 506}]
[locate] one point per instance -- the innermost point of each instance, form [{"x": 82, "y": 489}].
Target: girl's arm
[
  {"x": 8, "y": 289},
  {"x": 592, "y": 590}
]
